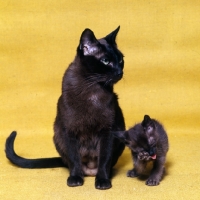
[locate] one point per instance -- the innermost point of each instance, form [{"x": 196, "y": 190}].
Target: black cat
[
  {"x": 87, "y": 112},
  {"x": 148, "y": 141}
]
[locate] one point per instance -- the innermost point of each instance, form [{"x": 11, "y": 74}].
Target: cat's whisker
[
  {"x": 108, "y": 82},
  {"x": 95, "y": 77}
]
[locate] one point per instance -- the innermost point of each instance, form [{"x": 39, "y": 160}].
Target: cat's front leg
[
  {"x": 139, "y": 167},
  {"x": 157, "y": 172},
  {"x": 102, "y": 180},
  {"x": 132, "y": 173},
  {"x": 144, "y": 156}
]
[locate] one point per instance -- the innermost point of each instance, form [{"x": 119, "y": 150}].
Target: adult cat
[
  {"x": 148, "y": 141},
  {"x": 87, "y": 112}
]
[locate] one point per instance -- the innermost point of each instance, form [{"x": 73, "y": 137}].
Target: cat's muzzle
[{"x": 117, "y": 77}]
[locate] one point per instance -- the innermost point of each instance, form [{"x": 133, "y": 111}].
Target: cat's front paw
[
  {"x": 144, "y": 156},
  {"x": 132, "y": 173},
  {"x": 74, "y": 181},
  {"x": 152, "y": 181},
  {"x": 103, "y": 184}
]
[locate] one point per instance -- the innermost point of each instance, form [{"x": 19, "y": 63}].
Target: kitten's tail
[{"x": 29, "y": 163}]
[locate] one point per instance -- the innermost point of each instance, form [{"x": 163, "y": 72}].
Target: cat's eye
[
  {"x": 105, "y": 61},
  {"x": 149, "y": 129},
  {"x": 120, "y": 61}
]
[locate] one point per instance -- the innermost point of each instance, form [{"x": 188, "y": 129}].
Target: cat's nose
[
  {"x": 152, "y": 151},
  {"x": 120, "y": 74},
  {"x": 117, "y": 76}
]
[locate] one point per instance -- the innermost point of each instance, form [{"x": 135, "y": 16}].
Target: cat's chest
[
  {"x": 99, "y": 104},
  {"x": 95, "y": 100},
  {"x": 97, "y": 108}
]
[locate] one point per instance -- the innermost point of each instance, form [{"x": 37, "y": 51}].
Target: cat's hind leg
[{"x": 67, "y": 146}]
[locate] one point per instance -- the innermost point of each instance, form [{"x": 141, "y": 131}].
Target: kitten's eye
[
  {"x": 149, "y": 129},
  {"x": 120, "y": 61},
  {"x": 105, "y": 61}
]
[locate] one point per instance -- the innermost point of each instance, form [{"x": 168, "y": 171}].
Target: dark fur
[
  {"x": 87, "y": 112},
  {"x": 148, "y": 141}
]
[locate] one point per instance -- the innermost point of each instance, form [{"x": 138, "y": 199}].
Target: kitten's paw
[
  {"x": 144, "y": 156},
  {"x": 103, "y": 184},
  {"x": 74, "y": 181},
  {"x": 152, "y": 182},
  {"x": 132, "y": 173}
]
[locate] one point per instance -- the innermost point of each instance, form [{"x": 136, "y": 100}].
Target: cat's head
[
  {"x": 140, "y": 138},
  {"x": 100, "y": 57},
  {"x": 149, "y": 127},
  {"x": 134, "y": 138}
]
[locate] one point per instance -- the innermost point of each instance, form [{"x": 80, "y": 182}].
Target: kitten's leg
[
  {"x": 157, "y": 172},
  {"x": 137, "y": 170},
  {"x": 144, "y": 156},
  {"x": 139, "y": 167},
  {"x": 102, "y": 180},
  {"x": 132, "y": 173}
]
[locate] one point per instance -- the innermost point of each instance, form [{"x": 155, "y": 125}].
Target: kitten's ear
[
  {"x": 146, "y": 120},
  {"x": 110, "y": 38},
  {"x": 88, "y": 42}
]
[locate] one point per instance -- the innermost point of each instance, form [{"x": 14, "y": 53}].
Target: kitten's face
[
  {"x": 138, "y": 143},
  {"x": 149, "y": 130},
  {"x": 101, "y": 57},
  {"x": 140, "y": 146},
  {"x": 141, "y": 139}
]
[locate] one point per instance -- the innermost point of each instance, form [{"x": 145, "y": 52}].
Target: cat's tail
[{"x": 29, "y": 163}]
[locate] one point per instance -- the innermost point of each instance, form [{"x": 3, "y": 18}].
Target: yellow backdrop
[{"x": 161, "y": 44}]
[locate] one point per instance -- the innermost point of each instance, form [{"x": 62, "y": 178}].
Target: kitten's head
[
  {"x": 149, "y": 127},
  {"x": 141, "y": 138},
  {"x": 102, "y": 60},
  {"x": 134, "y": 138}
]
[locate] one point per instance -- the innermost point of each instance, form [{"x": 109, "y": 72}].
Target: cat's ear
[
  {"x": 88, "y": 42},
  {"x": 146, "y": 120},
  {"x": 110, "y": 38},
  {"x": 122, "y": 135}
]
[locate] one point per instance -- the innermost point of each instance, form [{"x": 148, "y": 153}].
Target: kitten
[
  {"x": 148, "y": 141},
  {"x": 87, "y": 112}
]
